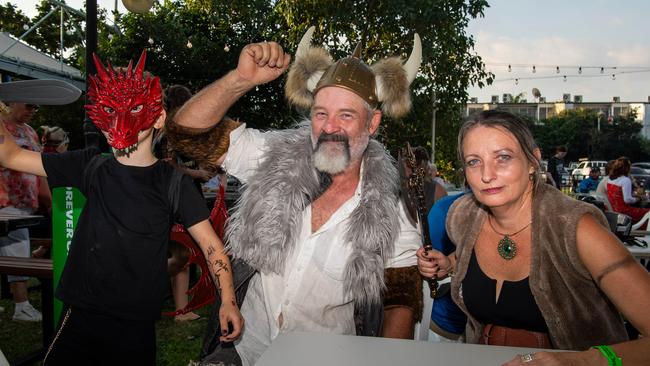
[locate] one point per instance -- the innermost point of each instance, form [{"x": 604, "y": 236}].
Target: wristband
[{"x": 610, "y": 355}]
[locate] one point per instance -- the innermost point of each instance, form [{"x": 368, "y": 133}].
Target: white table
[
  {"x": 316, "y": 349},
  {"x": 638, "y": 252}
]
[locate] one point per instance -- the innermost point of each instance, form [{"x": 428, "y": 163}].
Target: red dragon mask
[{"x": 124, "y": 102}]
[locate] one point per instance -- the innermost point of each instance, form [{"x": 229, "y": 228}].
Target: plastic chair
[
  {"x": 421, "y": 329},
  {"x": 641, "y": 222}
]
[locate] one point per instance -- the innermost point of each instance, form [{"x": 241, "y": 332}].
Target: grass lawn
[{"x": 178, "y": 342}]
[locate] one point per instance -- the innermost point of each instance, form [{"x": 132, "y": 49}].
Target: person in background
[
  {"x": 590, "y": 183},
  {"x": 433, "y": 190},
  {"x": 433, "y": 171},
  {"x": 447, "y": 320},
  {"x": 54, "y": 139},
  {"x": 602, "y": 185},
  {"x": 556, "y": 165},
  {"x": 174, "y": 97},
  {"x": 20, "y": 194},
  {"x": 537, "y": 268},
  {"x": 621, "y": 192}
]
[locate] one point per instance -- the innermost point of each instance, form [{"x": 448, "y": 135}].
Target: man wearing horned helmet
[{"x": 319, "y": 220}]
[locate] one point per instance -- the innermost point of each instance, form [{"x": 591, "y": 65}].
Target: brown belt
[{"x": 497, "y": 335}]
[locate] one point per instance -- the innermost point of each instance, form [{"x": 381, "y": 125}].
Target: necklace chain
[{"x": 503, "y": 234}]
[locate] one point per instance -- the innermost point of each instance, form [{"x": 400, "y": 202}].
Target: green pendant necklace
[{"x": 507, "y": 247}]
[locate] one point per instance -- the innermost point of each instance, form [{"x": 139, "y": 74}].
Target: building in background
[{"x": 541, "y": 110}]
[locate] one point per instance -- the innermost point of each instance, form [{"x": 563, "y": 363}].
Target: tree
[
  {"x": 385, "y": 27},
  {"x": 577, "y": 129}
]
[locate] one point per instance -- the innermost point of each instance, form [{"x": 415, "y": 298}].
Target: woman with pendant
[{"x": 533, "y": 267}]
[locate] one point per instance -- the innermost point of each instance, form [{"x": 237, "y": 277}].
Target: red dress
[{"x": 615, "y": 197}]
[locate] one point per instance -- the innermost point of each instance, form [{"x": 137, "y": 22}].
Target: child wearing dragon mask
[{"x": 114, "y": 281}]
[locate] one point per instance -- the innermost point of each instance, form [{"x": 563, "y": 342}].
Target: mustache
[{"x": 332, "y": 137}]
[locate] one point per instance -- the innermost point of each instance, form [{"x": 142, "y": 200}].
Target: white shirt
[
  {"x": 626, "y": 186},
  {"x": 602, "y": 186},
  {"x": 309, "y": 295}
]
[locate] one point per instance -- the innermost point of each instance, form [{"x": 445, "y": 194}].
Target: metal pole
[
  {"x": 91, "y": 133},
  {"x": 433, "y": 127},
  {"x": 61, "y": 39}
]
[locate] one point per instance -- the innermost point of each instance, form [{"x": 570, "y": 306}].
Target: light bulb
[
  {"x": 509, "y": 68},
  {"x": 150, "y": 40},
  {"x": 226, "y": 48},
  {"x": 534, "y": 70},
  {"x": 25, "y": 27},
  {"x": 516, "y": 81},
  {"x": 189, "y": 44},
  {"x": 557, "y": 69},
  {"x": 580, "y": 70},
  {"x": 110, "y": 37}
]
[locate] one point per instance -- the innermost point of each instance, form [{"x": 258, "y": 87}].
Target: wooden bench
[{"x": 41, "y": 269}]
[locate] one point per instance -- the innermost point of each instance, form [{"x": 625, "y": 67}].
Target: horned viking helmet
[{"x": 386, "y": 81}]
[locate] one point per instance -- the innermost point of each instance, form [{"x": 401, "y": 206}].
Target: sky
[{"x": 591, "y": 34}]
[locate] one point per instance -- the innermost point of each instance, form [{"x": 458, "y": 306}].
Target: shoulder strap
[
  {"x": 174, "y": 194},
  {"x": 91, "y": 169}
]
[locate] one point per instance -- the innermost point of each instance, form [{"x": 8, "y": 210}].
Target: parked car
[
  {"x": 644, "y": 166},
  {"x": 640, "y": 176}
]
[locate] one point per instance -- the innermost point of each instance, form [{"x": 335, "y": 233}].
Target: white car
[{"x": 584, "y": 167}]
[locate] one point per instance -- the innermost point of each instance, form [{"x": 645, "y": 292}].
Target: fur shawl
[
  {"x": 576, "y": 311},
  {"x": 266, "y": 222}
]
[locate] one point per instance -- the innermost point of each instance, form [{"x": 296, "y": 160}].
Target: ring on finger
[{"x": 528, "y": 357}]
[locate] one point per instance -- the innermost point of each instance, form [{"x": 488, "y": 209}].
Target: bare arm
[
  {"x": 625, "y": 283},
  {"x": 221, "y": 272},
  {"x": 259, "y": 63},
  {"x": 16, "y": 158}
]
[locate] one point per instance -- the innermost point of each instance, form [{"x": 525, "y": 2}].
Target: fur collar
[{"x": 266, "y": 222}]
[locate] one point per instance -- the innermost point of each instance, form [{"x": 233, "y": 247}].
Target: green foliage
[
  {"x": 578, "y": 130},
  {"x": 218, "y": 31}
]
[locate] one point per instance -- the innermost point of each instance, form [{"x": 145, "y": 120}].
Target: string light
[
  {"x": 580, "y": 70},
  {"x": 226, "y": 48},
  {"x": 150, "y": 40},
  {"x": 25, "y": 27},
  {"x": 509, "y": 68},
  {"x": 564, "y": 78},
  {"x": 534, "y": 70},
  {"x": 189, "y": 44},
  {"x": 557, "y": 69},
  {"x": 516, "y": 81},
  {"x": 110, "y": 36},
  {"x": 602, "y": 70},
  {"x": 613, "y": 76}
]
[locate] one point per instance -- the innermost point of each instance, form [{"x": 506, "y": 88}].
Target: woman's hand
[
  {"x": 229, "y": 315},
  {"x": 586, "y": 358},
  {"x": 433, "y": 264}
]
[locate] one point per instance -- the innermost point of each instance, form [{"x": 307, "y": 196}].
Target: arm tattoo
[
  {"x": 210, "y": 250},
  {"x": 613, "y": 267},
  {"x": 221, "y": 266}
]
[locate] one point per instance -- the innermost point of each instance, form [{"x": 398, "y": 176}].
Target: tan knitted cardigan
[{"x": 576, "y": 311}]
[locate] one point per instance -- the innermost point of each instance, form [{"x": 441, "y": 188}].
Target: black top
[
  {"x": 117, "y": 261},
  {"x": 516, "y": 307}
]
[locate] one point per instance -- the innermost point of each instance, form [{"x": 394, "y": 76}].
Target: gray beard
[{"x": 331, "y": 157}]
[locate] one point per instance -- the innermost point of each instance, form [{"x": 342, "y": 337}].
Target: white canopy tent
[{"x": 22, "y": 59}]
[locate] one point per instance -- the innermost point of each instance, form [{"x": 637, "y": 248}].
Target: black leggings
[{"x": 90, "y": 338}]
